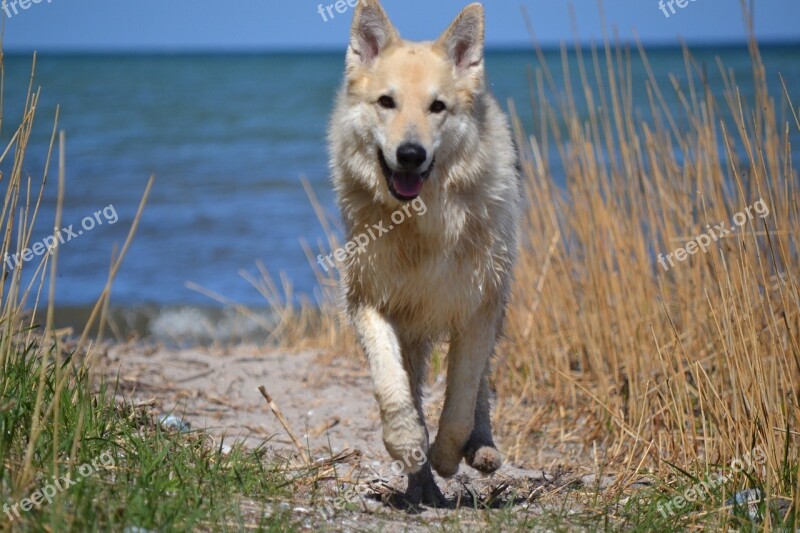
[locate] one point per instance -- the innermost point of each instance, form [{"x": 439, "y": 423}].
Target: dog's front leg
[
  {"x": 467, "y": 359},
  {"x": 404, "y": 433}
]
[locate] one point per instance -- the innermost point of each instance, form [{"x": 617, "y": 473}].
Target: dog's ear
[
  {"x": 370, "y": 34},
  {"x": 463, "y": 40}
]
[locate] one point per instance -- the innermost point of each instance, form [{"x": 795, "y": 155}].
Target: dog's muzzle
[{"x": 405, "y": 185}]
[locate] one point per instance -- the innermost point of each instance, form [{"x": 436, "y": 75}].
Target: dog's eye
[
  {"x": 438, "y": 106},
  {"x": 387, "y": 102}
]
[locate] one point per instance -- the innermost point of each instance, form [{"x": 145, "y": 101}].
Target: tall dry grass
[{"x": 695, "y": 365}]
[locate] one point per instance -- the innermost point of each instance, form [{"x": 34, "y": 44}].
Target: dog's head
[{"x": 413, "y": 102}]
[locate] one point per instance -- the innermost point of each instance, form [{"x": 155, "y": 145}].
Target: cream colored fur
[{"x": 444, "y": 274}]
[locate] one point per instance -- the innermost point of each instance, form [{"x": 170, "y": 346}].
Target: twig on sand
[
  {"x": 277, "y": 412},
  {"x": 331, "y": 423}
]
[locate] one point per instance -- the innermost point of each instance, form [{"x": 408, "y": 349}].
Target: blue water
[{"x": 228, "y": 138}]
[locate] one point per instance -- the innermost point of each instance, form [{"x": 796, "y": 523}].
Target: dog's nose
[{"x": 411, "y": 156}]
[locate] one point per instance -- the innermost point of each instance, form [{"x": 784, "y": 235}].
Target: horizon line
[{"x": 515, "y": 47}]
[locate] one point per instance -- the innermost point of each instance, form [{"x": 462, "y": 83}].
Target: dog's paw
[
  {"x": 422, "y": 490},
  {"x": 445, "y": 459},
  {"x": 485, "y": 459},
  {"x": 407, "y": 443}
]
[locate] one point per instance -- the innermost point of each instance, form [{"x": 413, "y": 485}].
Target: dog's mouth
[{"x": 405, "y": 185}]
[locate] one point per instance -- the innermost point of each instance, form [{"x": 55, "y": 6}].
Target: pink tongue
[{"x": 407, "y": 184}]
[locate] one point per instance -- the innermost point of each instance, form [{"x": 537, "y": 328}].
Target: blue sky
[{"x": 287, "y": 24}]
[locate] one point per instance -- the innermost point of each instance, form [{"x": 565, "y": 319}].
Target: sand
[{"x": 330, "y": 409}]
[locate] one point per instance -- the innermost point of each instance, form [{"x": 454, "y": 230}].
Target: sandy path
[{"x": 330, "y": 408}]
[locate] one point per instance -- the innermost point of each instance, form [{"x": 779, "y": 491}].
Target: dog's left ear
[{"x": 463, "y": 40}]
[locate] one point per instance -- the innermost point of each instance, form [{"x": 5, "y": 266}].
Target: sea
[{"x": 229, "y": 139}]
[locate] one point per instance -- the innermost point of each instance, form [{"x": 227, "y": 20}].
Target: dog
[{"x": 414, "y": 122}]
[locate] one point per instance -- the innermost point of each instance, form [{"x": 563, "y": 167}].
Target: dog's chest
[{"x": 425, "y": 281}]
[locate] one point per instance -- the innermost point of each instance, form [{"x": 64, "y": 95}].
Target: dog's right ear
[
  {"x": 370, "y": 34},
  {"x": 463, "y": 40}
]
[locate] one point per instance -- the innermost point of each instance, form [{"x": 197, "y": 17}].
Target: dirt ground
[{"x": 331, "y": 411}]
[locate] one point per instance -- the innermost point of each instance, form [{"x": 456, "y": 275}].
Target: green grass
[{"x": 159, "y": 480}]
